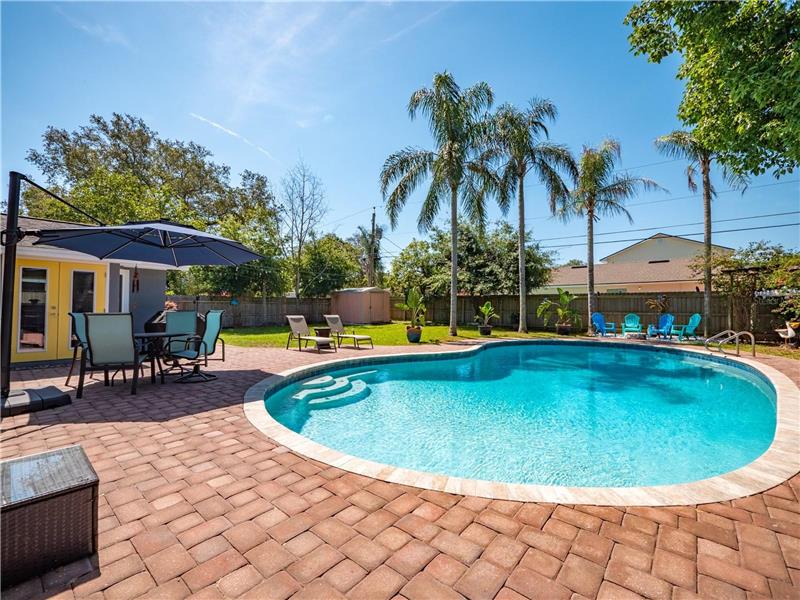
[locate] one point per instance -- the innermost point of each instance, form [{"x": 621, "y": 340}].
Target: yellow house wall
[{"x": 59, "y": 291}]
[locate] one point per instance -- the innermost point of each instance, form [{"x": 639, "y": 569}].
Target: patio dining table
[{"x": 150, "y": 341}]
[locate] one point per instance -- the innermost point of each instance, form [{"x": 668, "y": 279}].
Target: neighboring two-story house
[{"x": 660, "y": 263}]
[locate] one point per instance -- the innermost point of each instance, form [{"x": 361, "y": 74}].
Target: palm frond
[
  {"x": 432, "y": 203},
  {"x": 691, "y": 174},
  {"x": 679, "y": 145},
  {"x": 408, "y": 168}
]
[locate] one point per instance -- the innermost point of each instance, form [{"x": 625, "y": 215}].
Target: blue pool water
[{"x": 554, "y": 413}]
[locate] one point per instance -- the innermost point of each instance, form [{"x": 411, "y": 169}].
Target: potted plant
[
  {"x": 485, "y": 314},
  {"x": 414, "y": 304},
  {"x": 565, "y": 315}
]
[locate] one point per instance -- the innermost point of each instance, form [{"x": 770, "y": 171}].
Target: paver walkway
[{"x": 196, "y": 502}]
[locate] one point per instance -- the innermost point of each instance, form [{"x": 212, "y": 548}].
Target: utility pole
[{"x": 371, "y": 265}]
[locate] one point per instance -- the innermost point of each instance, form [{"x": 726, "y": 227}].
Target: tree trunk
[
  {"x": 523, "y": 300},
  {"x": 705, "y": 166},
  {"x": 590, "y": 266},
  {"x": 453, "y": 260}
]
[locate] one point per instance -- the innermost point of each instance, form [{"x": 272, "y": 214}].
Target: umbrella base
[
  {"x": 196, "y": 376},
  {"x": 33, "y": 400}
]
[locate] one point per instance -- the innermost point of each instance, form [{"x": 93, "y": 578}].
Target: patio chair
[
  {"x": 787, "y": 334},
  {"x": 688, "y": 330},
  {"x": 601, "y": 326},
  {"x": 299, "y": 331},
  {"x": 664, "y": 327},
  {"x": 180, "y": 321},
  {"x": 78, "y": 340},
  {"x": 111, "y": 345},
  {"x": 631, "y": 324},
  {"x": 196, "y": 350},
  {"x": 337, "y": 328}
]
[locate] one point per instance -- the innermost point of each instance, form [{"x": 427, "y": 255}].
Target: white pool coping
[{"x": 777, "y": 464}]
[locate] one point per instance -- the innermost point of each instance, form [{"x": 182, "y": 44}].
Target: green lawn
[{"x": 393, "y": 334}]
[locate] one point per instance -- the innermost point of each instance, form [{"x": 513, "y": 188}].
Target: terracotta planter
[
  {"x": 485, "y": 329},
  {"x": 563, "y": 328},
  {"x": 414, "y": 334}
]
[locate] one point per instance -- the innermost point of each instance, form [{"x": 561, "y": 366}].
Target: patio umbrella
[{"x": 162, "y": 242}]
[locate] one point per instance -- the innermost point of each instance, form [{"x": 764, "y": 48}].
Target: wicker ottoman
[{"x": 48, "y": 514}]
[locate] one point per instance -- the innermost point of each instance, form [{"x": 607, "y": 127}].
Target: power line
[
  {"x": 570, "y": 237},
  {"x": 677, "y": 235},
  {"x": 752, "y": 187}
]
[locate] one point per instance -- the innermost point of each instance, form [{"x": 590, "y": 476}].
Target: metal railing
[{"x": 730, "y": 336}]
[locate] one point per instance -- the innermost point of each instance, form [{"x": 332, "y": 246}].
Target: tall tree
[
  {"x": 302, "y": 210},
  {"x": 520, "y": 137},
  {"x": 685, "y": 145},
  {"x": 741, "y": 64},
  {"x": 328, "y": 263},
  {"x": 368, "y": 246},
  {"x": 487, "y": 260},
  {"x": 114, "y": 156},
  {"x": 456, "y": 168},
  {"x": 600, "y": 191}
]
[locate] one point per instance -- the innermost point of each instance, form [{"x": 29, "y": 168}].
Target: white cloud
[
  {"x": 267, "y": 55},
  {"x": 418, "y": 23},
  {"x": 105, "y": 32},
  {"x": 232, "y": 133}
]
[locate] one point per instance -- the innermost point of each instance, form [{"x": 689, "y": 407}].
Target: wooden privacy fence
[
  {"x": 613, "y": 306},
  {"x": 256, "y": 312}
]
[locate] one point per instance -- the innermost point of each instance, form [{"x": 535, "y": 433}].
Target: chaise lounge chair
[
  {"x": 337, "y": 328},
  {"x": 600, "y": 325},
  {"x": 631, "y": 324},
  {"x": 299, "y": 331}
]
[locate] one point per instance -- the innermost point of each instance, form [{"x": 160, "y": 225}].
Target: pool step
[
  {"x": 340, "y": 384},
  {"x": 319, "y": 382},
  {"x": 358, "y": 391}
]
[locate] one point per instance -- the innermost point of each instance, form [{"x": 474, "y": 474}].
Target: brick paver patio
[{"x": 195, "y": 502}]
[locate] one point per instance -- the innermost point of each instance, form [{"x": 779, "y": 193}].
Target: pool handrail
[{"x": 729, "y": 335}]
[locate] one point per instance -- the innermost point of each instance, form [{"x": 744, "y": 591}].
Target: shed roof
[{"x": 360, "y": 290}]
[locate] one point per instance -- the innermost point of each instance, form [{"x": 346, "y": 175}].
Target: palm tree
[
  {"x": 369, "y": 251},
  {"x": 684, "y": 145},
  {"x": 456, "y": 168},
  {"x": 517, "y": 135},
  {"x": 600, "y": 191}
]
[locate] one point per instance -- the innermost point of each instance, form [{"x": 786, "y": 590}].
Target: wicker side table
[{"x": 48, "y": 513}]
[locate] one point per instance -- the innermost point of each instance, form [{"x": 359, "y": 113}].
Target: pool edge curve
[{"x": 777, "y": 464}]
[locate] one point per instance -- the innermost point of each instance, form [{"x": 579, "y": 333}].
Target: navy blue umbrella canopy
[{"x": 162, "y": 242}]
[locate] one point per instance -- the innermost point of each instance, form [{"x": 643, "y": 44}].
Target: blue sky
[{"x": 261, "y": 85}]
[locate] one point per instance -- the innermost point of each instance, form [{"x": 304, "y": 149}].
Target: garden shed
[{"x": 361, "y": 305}]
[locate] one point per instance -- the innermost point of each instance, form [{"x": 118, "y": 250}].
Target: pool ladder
[{"x": 729, "y": 336}]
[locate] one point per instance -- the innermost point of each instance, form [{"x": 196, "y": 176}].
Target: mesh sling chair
[
  {"x": 337, "y": 328},
  {"x": 177, "y": 322},
  {"x": 195, "y": 350},
  {"x": 79, "y": 340},
  {"x": 111, "y": 345}
]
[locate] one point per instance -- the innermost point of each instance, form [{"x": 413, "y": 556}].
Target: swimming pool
[{"x": 563, "y": 414}]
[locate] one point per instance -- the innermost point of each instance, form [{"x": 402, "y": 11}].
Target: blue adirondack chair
[
  {"x": 688, "y": 330},
  {"x": 631, "y": 324},
  {"x": 600, "y": 325},
  {"x": 664, "y": 328}
]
